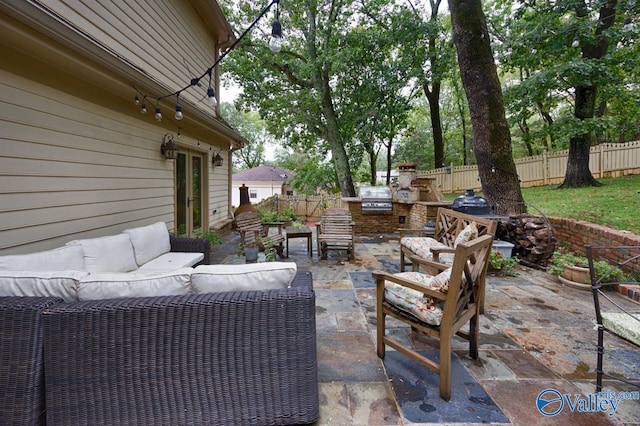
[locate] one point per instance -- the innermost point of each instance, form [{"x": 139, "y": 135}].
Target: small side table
[{"x": 299, "y": 232}]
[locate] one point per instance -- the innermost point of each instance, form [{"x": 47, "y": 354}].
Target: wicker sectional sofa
[{"x": 237, "y": 357}]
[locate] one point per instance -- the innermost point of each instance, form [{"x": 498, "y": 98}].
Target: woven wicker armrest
[
  {"x": 191, "y": 245},
  {"x": 217, "y": 358},
  {"x": 22, "y": 397}
]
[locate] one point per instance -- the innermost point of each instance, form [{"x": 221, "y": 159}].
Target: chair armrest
[
  {"x": 381, "y": 277},
  {"x": 191, "y": 245},
  {"x": 426, "y": 264}
]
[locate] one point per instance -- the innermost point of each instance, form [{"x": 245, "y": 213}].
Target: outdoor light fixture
[
  {"x": 575, "y": 43},
  {"x": 217, "y": 160},
  {"x": 168, "y": 148}
]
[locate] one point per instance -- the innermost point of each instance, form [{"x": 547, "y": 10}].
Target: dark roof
[{"x": 263, "y": 174}]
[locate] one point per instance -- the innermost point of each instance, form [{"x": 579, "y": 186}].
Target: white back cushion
[
  {"x": 111, "y": 286},
  {"x": 107, "y": 254},
  {"x": 251, "y": 276},
  {"x": 149, "y": 241},
  {"x": 60, "y": 259},
  {"x": 41, "y": 283}
]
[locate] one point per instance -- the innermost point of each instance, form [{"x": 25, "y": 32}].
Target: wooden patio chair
[
  {"x": 335, "y": 231},
  {"x": 451, "y": 228},
  {"x": 253, "y": 232},
  {"x": 437, "y": 305}
]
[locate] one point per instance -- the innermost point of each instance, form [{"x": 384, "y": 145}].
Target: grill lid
[
  {"x": 471, "y": 203},
  {"x": 374, "y": 193}
]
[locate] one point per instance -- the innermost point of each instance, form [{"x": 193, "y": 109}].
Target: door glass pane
[
  {"x": 197, "y": 192},
  {"x": 181, "y": 194}
]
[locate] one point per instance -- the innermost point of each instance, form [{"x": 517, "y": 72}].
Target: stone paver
[{"x": 536, "y": 334}]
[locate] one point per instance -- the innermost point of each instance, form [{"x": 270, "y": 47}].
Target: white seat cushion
[
  {"x": 41, "y": 283},
  {"x": 59, "y": 259},
  {"x": 107, "y": 254},
  {"x": 111, "y": 286},
  {"x": 171, "y": 261},
  {"x": 251, "y": 276},
  {"x": 623, "y": 325},
  {"x": 149, "y": 242}
]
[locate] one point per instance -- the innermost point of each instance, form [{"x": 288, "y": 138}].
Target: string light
[
  {"x": 158, "y": 112},
  {"x": 274, "y": 45},
  {"x": 178, "y": 115}
]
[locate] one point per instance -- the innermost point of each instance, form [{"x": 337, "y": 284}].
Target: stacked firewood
[{"x": 533, "y": 237}]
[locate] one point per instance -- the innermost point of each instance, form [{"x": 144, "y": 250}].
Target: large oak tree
[{"x": 491, "y": 136}]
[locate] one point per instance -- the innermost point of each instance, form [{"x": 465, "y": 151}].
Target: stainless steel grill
[{"x": 375, "y": 199}]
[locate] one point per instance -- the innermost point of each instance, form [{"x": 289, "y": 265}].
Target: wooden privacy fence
[
  {"x": 606, "y": 160},
  {"x": 310, "y": 207}
]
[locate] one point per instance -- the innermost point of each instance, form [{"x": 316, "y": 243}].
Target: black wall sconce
[
  {"x": 169, "y": 149},
  {"x": 217, "y": 160}
]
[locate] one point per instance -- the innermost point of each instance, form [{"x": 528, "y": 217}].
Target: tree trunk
[
  {"x": 491, "y": 137},
  {"x": 578, "y": 173},
  {"x": 334, "y": 137},
  {"x": 433, "y": 97}
]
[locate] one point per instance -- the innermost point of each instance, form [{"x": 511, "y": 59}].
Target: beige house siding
[
  {"x": 77, "y": 159},
  {"x": 166, "y": 40}
]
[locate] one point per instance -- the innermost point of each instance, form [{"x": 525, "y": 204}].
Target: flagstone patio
[{"x": 536, "y": 335}]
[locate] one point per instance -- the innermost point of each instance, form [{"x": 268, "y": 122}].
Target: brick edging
[{"x": 578, "y": 233}]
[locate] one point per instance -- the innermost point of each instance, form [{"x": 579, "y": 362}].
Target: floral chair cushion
[
  {"x": 469, "y": 233},
  {"x": 425, "y": 308},
  {"x": 421, "y": 246}
]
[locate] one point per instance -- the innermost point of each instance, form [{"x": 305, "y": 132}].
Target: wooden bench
[
  {"x": 253, "y": 232},
  {"x": 449, "y": 224},
  {"x": 335, "y": 231}
]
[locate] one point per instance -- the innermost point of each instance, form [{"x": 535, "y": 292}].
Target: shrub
[{"x": 601, "y": 267}]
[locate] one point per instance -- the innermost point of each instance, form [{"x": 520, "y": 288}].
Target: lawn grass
[{"x": 615, "y": 204}]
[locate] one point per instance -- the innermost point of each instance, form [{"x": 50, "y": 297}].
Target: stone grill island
[{"x": 413, "y": 202}]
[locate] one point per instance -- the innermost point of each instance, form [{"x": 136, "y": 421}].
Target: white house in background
[
  {"x": 262, "y": 181},
  {"x": 77, "y": 157}
]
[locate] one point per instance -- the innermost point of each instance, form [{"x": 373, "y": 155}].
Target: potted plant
[
  {"x": 502, "y": 265},
  {"x": 573, "y": 270}
]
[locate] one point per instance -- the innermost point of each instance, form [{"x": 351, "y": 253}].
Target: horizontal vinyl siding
[
  {"x": 219, "y": 189},
  {"x": 71, "y": 169},
  {"x": 166, "y": 39}
]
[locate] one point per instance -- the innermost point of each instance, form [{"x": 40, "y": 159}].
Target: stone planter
[{"x": 576, "y": 277}]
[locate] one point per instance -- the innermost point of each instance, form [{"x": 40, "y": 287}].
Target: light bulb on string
[
  {"x": 136, "y": 101},
  {"x": 158, "y": 114},
  {"x": 213, "y": 102},
  {"x": 143, "y": 109},
  {"x": 178, "y": 115},
  {"x": 575, "y": 43},
  {"x": 275, "y": 43}
]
